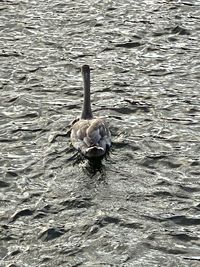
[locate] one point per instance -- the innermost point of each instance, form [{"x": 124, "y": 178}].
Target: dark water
[{"x": 144, "y": 208}]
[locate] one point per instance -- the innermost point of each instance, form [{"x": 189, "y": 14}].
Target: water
[{"x": 143, "y": 209}]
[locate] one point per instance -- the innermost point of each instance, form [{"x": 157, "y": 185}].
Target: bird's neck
[{"x": 86, "y": 111}]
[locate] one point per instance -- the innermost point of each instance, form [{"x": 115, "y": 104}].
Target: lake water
[{"x": 143, "y": 208}]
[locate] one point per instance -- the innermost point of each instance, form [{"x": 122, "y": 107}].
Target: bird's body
[{"x": 89, "y": 135}]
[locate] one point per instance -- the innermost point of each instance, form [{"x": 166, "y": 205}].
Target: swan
[{"x": 89, "y": 135}]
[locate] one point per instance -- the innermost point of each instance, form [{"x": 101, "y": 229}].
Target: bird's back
[{"x": 91, "y": 137}]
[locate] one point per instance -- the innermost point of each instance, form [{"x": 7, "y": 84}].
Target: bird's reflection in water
[
  {"x": 91, "y": 166},
  {"x": 94, "y": 166}
]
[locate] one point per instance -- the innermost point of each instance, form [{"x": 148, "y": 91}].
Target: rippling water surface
[{"x": 143, "y": 209}]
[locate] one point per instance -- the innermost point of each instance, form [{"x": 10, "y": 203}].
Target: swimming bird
[{"x": 89, "y": 135}]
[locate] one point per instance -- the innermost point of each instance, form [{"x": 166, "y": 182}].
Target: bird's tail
[{"x": 94, "y": 152}]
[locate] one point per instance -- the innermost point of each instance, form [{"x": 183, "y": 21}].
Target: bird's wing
[{"x": 97, "y": 130}]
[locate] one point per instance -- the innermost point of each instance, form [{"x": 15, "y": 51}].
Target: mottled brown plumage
[{"x": 89, "y": 135}]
